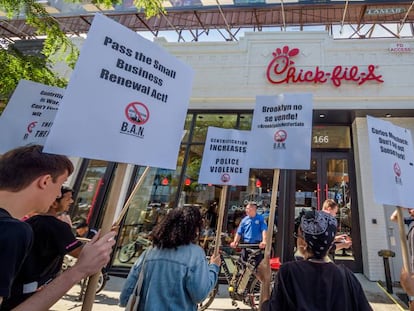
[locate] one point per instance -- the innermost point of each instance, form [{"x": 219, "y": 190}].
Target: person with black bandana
[{"x": 313, "y": 283}]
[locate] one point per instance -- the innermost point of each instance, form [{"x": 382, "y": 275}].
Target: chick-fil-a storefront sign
[{"x": 282, "y": 69}]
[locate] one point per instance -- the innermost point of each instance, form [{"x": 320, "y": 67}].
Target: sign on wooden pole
[
  {"x": 222, "y": 206},
  {"x": 106, "y": 227}
]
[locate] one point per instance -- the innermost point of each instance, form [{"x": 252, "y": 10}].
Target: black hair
[
  {"x": 21, "y": 166},
  {"x": 180, "y": 226},
  {"x": 64, "y": 190}
]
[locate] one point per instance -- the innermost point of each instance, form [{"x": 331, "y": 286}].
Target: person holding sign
[
  {"x": 313, "y": 283},
  {"x": 407, "y": 283},
  {"x": 252, "y": 230},
  {"x": 175, "y": 273},
  {"x": 53, "y": 239},
  {"x": 30, "y": 181},
  {"x": 409, "y": 221}
]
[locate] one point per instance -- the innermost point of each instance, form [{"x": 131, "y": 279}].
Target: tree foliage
[{"x": 57, "y": 46}]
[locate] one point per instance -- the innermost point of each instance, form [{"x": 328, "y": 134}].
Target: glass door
[{"x": 329, "y": 178}]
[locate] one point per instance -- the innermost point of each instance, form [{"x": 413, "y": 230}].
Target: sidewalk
[{"x": 108, "y": 298}]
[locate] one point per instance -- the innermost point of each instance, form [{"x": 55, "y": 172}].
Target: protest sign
[
  {"x": 224, "y": 158},
  {"x": 126, "y": 100},
  {"x": 29, "y": 115},
  {"x": 281, "y": 132},
  {"x": 392, "y": 158}
]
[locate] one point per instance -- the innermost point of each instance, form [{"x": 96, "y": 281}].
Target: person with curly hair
[{"x": 176, "y": 273}]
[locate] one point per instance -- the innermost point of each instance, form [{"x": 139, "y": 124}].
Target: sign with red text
[
  {"x": 392, "y": 158},
  {"x": 29, "y": 115},
  {"x": 281, "y": 132},
  {"x": 224, "y": 158},
  {"x": 126, "y": 101},
  {"x": 282, "y": 70}
]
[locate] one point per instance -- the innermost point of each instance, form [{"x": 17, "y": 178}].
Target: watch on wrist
[{"x": 410, "y": 299}]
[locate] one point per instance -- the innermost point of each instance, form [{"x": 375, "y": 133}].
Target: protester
[
  {"x": 53, "y": 239},
  {"x": 409, "y": 221},
  {"x": 63, "y": 204},
  {"x": 341, "y": 241},
  {"x": 29, "y": 182},
  {"x": 313, "y": 283},
  {"x": 407, "y": 283},
  {"x": 176, "y": 273}
]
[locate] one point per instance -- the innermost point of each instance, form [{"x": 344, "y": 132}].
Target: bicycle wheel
[
  {"x": 126, "y": 252},
  {"x": 209, "y": 299},
  {"x": 101, "y": 282},
  {"x": 253, "y": 297}
]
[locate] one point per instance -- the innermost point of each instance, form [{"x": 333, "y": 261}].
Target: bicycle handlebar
[{"x": 253, "y": 246}]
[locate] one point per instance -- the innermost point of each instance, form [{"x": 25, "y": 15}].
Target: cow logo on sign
[
  {"x": 397, "y": 172},
  {"x": 137, "y": 114},
  {"x": 279, "y": 137}
]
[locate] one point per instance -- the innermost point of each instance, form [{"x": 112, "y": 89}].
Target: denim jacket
[{"x": 174, "y": 279}]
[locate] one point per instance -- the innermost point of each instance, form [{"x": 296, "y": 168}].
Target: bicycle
[
  {"x": 242, "y": 281},
  {"x": 128, "y": 251},
  {"x": 69, "y": 261}
]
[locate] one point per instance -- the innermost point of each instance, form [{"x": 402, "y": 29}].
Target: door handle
[{"x": 318, "y": 197}]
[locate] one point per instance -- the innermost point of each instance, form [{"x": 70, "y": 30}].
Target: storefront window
[
  {"x": 92, "y": 182},
  {"x": 203, "y": 121},
  {"x": 165, "y": 189}
]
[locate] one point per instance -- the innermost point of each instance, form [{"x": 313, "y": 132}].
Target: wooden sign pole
[
  {"x": 270, "y": 224},
  {"x": 106, "y": 227},
  {"x": 222, "y": 206}
]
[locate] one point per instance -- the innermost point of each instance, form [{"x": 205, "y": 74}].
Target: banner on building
[
  {"x": 29, "y": 115},
  {"x": 281, "y": 132},
  {"x": 392, "y": 158},
  {"x": 224, "y": 158},
  {"x": 126, "y": 101}
]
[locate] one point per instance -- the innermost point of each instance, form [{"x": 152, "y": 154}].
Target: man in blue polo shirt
[{"x": 252, "y": 229}]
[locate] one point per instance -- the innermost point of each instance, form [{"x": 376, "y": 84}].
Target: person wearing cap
[{"x": 313, "y": 283}]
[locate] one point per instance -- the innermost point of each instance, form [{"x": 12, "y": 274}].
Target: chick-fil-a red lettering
[{"x": 282, "y": 70}]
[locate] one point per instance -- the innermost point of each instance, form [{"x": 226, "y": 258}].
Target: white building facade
[{"x": 358, "y": 77}]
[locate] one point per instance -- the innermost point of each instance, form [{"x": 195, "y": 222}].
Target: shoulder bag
[{"x": 134, "y": 298}]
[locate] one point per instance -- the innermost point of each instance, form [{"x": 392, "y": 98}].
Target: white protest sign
[
  {"x": 224, "y": 158},
  {"x": 392, "y": 158},
  {"x": 29, "y": 115},
  {"x": 281, "y": 132},
  {"x": 126, "y": 100}
]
